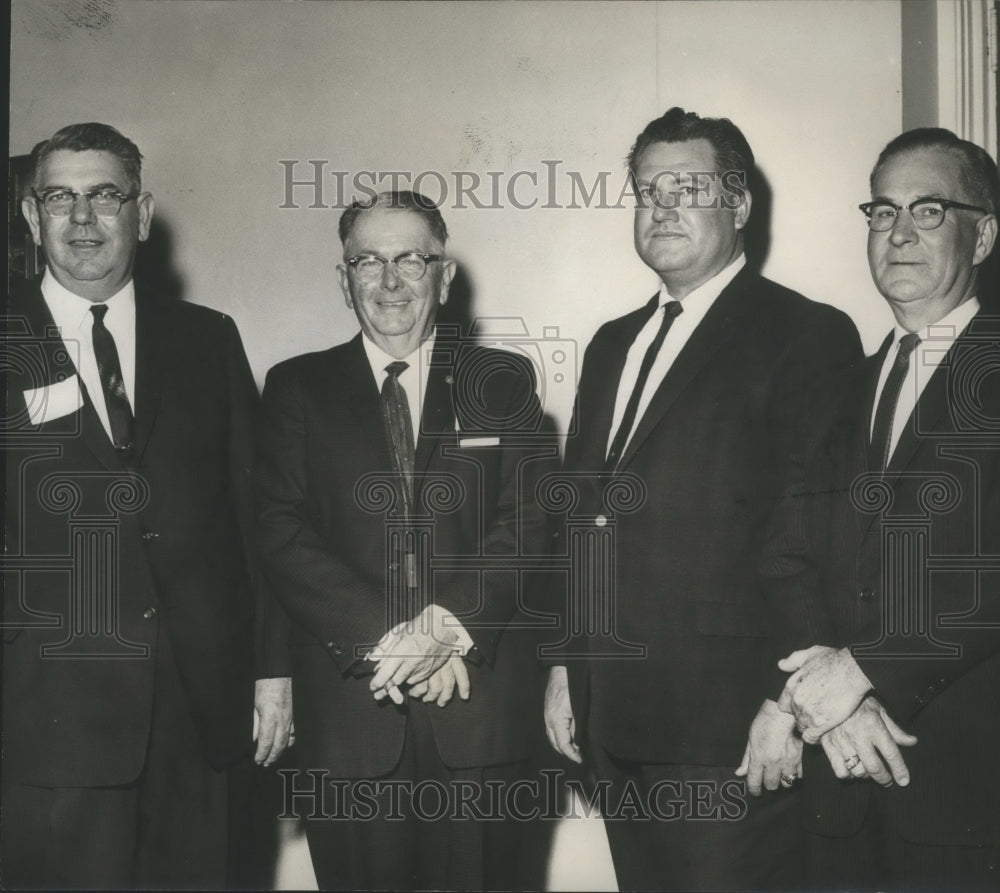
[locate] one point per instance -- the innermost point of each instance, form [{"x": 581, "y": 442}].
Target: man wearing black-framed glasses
[
  {"x": 891, "y": 551},
  {"x": 137, "y": 644}
]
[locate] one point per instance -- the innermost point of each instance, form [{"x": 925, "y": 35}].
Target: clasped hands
[
  {"x": 423, "y": 653},
  {"x": 828, "y": 699}
]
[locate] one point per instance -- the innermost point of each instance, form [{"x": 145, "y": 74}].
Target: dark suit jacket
[
  {"x": 707, "y": 459},
  {"x": 160, "y": 545},
  {"x": 325, "y": 509},
  {"x": 905, "y": 570}
]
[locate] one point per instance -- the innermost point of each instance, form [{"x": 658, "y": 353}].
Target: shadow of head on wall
[
  {"x": 757, "y": 235},
  {"x": 154, "y": 263}
]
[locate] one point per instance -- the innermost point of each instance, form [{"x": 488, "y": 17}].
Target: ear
[
  {"x": 345, "y": 285},
  {"x": 986, "y": 237},
  {"x": 743, "y": 209},
  {"x": 448, "y": 269},
  {"x": 29, "y": 208},
  {"x": 145, "y": 205}
]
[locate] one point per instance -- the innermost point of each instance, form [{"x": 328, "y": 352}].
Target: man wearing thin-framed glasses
[
  {"x": 136, "y": 642},
  {"x": 892, "y": 549}
]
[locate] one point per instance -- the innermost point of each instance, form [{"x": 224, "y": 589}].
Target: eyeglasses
[
  {"x": 61, "y": 202},
  {"x": 927, "y": 213},
  {"x": 410, "y": 265}
]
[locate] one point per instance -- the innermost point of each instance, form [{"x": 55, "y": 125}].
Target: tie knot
[
  {"x": 99, "y": 311},
  {"x": 907, "y": 344},
  {"x": 672, "y": 309},
  {"x": 397, "y": 368}
]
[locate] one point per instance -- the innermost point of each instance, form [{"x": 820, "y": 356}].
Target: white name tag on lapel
[
  {"x": 54, "y": 401},
  {"x": 478, "y": 441}
]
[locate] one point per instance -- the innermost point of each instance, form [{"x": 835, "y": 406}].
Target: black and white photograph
[{"x": 502, "y": 445}]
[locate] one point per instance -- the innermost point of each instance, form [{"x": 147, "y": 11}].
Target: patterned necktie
[
  {"x": 671, "y": 311},
  {"x": 878, "y": 453},
  {"x": 110, "y": 370},
  {"x": 399, "y": 430}
]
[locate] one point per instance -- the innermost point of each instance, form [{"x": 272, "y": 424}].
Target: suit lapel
[
  {"x": 42, "y": 326},
  {"x": 437, "y": 418},
  {"x": 356, "y": 381},
  {"x": 721, "y": 325}
]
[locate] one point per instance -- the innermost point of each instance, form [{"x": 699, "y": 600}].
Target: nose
[
  {"x": 663, "y": 210},
  {"x": 390, "y": 278},
  {"x": 82, "y": 212},
  {"x": 904, "y": 229}
]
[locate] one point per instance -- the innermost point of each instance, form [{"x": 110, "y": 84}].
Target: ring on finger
[
  {"x": 851, "y": 762},
  {"x": 788, "y": 780}
]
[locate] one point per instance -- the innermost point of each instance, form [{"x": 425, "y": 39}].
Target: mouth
[
  {"x": 85, "y": 243},
  {"x": 665, "y": 234},
  {"x": 402, "y": 302}
]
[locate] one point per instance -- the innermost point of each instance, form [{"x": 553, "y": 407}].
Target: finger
[
  {"x": 755, "y": 778},
  {"x": 447, "y": 686},
  {"x": 461, "y": 677},
  {"x": 898, "y": 735},
  {"x": 564, "y": 743},
  {"x": 772, "y": 776},
  {"x": 433, "y": 689},
  {"x": 265, "y": 738},
  {"x": 796, "y": 659},
  {"x": 418, "y": 690},
  {"x": 785, "y": 700},
  {"x": 386, "y": 668},
  {"x": 873, "y": 766},
  {"x": 395, "y": 694},
  {"x": 812, "y": 735},
  {"x": 894, "y": 759},
  {"x": 835, "y": 758}
]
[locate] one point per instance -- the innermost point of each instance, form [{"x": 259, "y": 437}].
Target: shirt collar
[
  {"x": 71, "y": 313},
  {"x": 705, "y": 294},
  {"x": 942, "y": 334},
  {"x": 378, "y": 359}
]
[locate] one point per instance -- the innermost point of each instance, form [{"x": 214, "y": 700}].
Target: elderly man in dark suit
[
  {"x": 693, "y": 404},
  {"x": 890, "y": 551},
  {"x": 132, "y": 632},
  {"x": 397, "y": 502}
]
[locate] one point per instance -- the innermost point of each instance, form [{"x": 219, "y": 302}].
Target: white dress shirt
[
  {"x": 413, "y": 379},
  {"x": 935, "y": 341},
  {"x": 414, "y": 382},
  {"x": 695, "y": 306},
  {"x": 72, "y": 316}
]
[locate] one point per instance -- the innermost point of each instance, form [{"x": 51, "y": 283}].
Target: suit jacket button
[
  {"x": 148, "y": 536},
  {"x": 149, "y": 613},
  {"x": 600, "y": 521},
  {"x": 866, "y": 594}
]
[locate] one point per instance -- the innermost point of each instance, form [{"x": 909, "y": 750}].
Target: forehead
[
  {"x": 382, "y": 230},
  {"x": 65, "y": 167},
  {"x": 920, "y": 173},
  {"x": 685, "y": 156}
]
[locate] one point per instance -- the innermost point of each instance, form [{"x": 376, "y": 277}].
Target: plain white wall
[{"x": 216, "y": 94}]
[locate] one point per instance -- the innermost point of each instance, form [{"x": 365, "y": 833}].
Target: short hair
[
  {"x": 978, "y": 172},
  {"x": 92, "y": 136},
  {"x": 401, "y": 200},
  {"x": 731, "y": 149}
]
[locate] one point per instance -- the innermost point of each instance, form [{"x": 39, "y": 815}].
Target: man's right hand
[{"x": 560, "y": 725}]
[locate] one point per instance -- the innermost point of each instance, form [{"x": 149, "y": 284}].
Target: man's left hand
[
  {"x": 274, "y": 728},
  {"x": 773, "y": 755},
  {"x": 826, "y": 687},
  {"x": 414, "y": 651}
]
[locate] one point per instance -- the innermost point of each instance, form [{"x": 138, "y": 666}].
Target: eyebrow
[
  {"x": 59, "y": 186},
  {"x": 919, "y": 198}
]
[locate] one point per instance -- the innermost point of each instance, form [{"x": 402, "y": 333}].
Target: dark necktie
[
  {"x": 878, "y": 453},
  {"x": 110, "y": 370},
  {"x": 671, "y": 311},
  {"x": 399, "y": 430}
]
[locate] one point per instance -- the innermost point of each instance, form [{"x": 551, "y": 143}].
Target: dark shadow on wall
[{"x": 154, "y": 263}]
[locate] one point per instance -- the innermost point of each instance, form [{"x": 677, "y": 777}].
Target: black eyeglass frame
[
  {"x": 945, "y": 203},
  {"x": 43, "y": 200}
]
